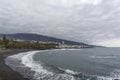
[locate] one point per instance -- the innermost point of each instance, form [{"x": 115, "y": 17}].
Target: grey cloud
[{"x": 80, "y": 20}]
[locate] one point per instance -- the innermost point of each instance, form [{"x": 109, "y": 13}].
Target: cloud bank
[{"x": 90, "y": 21}]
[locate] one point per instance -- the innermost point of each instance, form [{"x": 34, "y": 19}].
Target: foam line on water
[
  {"x": 40, "y": 72},
  {"x": 25, "y": 65},
  {"x": 28, "y": 61}
]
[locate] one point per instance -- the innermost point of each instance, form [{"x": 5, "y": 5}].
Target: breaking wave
[{"x": 26, "y": 66}]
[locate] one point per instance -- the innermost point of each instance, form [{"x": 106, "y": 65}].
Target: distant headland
[{"x": 35, "y": 41}]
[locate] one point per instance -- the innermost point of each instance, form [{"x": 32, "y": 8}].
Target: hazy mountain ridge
[{"x": 37, "y": 37}]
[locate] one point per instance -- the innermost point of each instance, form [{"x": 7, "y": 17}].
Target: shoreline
[{"x": 6, "y": 73}]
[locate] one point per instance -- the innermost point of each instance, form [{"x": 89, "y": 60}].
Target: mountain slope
[{"x": 29, "y": 36}]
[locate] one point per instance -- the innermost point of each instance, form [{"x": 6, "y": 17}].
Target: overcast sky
[{"x": 89, "y": 21}]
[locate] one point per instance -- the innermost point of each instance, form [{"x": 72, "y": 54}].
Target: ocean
[{"x": 68, "y": 64}]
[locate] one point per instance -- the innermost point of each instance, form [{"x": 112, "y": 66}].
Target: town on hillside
[{"x": 7, "y": 43}]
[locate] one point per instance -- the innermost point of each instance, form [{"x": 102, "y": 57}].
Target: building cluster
[
  {"x": 35, "y": 41},
  {"x": 73, "y": 46},
  {"x": 58, "y": 45},
  {"x": 63, "y": 45}
]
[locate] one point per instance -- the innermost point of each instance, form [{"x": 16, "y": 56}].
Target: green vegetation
[
  {"x": 2, "y": 46},
  {"x": 9, "y": 44}
]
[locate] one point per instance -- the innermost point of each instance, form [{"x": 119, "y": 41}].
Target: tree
[{"x": 5, "y": 40}]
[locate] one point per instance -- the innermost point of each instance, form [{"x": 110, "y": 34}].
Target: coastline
[
  {"x": 11, "y": 70},
  {"x": 6, "y": 73},
  {"x": 31, "y": 72}
]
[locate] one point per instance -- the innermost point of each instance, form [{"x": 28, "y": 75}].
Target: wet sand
[{"x": 6, "y": 73}]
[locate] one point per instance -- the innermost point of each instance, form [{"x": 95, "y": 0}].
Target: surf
[{"x": 33, "y": 70}]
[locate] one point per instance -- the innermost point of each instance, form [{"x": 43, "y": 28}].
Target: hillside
[{"x": 37, "y": 37}]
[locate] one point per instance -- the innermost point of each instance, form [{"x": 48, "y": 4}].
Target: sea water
[{"x": 68, "y": 64}]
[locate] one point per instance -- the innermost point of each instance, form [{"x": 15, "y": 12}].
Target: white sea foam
[
  {"x": 40, "y": 73},
  {"x": 26, "y": 60},
  {"x": 103, "y": 57},
  {"x": 70, "y": 71}
]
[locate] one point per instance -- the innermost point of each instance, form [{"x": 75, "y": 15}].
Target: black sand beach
[{"x": 7, "y": 73}]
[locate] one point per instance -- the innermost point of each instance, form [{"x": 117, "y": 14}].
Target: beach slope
[{"x": 6, "y": 73}]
